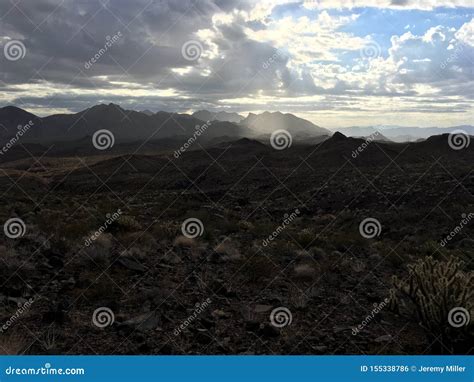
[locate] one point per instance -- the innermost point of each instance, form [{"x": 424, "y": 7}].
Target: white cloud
[
  {"x": 465, "y": 34},
  {"x": 309, "y": 40},
  {"x": 394, "y": 4}
]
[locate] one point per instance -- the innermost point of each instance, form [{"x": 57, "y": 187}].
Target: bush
[
  {"x": 258, "y": 268},
  {"x": 435, "y": 290},
  {"x": 14, "y": 269}
]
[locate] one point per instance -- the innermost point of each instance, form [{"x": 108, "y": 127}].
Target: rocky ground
[{"x": 144, "y": 285}]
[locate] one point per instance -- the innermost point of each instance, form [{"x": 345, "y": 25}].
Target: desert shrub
[
  {"x": 228, "y": 226},
  {"x": 281, "y": 249},
  {"x": 434, "y": 291},
  {"x": 164, "y": 231},
  {"x": 263, "y": 228},
  {"x": 258, "y": 267},
  {"x": 342, "y": 241},
  {"x": 13, "y": 267},
  {"x": 317, "y": 253},
  {"x": 49, "y": 340},
  {"x": 74, "y": 230},
  {"x": 144, "y": 240},
  {"x": 97, "y": 289},
  {"x": 184, "y": 242},
  {"x": 395, "y": 259},
  {"x": 305, "y": 272},
  {"x": 305, "y": 237},
  {"x": 97, "y": 254},
  {"x": 70, "y": 228},
  {"x": 125, "y": 223},
  {"x": 432, "y": 248},
  {"x": 227, "y": 250},
  {"x": 245, "y": 225},
  {"x": 12, "y": 343},
  {"x": 298, "y": 298}
]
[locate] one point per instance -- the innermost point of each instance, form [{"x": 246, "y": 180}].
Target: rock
[
  {"x": 375, "y": 258},
  {"x": 262, "y": 308},
  {"x": 143, "y": 322},
  {"x": 224, "y": 252},
  {"x": 131, "y": 264},
  {"x": 218, "y": 313},
  {"x": 202, "y": 337},
  {"x": 208, "y": 324},
  {"x": 267, "y": 330},
  {"x": 17, "y": 301},
  {"x": 465, "y": 243},
  {"x": 305, "y": 272},
  {"x": 338, "y": 329},
  {"x": 252, "y": 326},
  {"x": 320, "y": 348},
  {"x": 171, "y": 258},
  {"x": 385, "y": 338}
]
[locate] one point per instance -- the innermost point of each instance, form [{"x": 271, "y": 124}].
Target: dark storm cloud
[
  {"x": 67, "y": 66},
  {"x": 61, "y": 37}
]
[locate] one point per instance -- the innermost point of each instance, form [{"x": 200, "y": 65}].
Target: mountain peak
[
  {"x": 337, "y": 136},
  {"x": 223, "y": 116},
  {"x": 267, "y": 122}
]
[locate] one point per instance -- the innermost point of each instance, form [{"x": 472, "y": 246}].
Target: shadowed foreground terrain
[{"x": 106, "y": 266}]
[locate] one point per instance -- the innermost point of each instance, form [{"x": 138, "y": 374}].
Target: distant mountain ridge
[
  {"x": 223, "y": 116},
  {"x": 268, "y": 122},
  {"x": 126, "y": 125},
  {"x": 135, "y": 126},
  {"x": 402, "y": 133}
]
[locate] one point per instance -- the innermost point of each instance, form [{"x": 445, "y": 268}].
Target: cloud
[
  {"x": 465, "y": 34},
  {"x": 393, "y": 4},
  {"x": 302, "y": 57}
]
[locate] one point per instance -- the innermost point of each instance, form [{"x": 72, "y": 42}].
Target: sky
[{"x": 336, "y": 63}]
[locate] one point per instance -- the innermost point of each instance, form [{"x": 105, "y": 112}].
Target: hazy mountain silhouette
[
  {"x": 267, "y": 122},
  {"x": 126, "y": 125},
  {"x": 404, "y": 134},
  {"x": 224, "y": 116}
]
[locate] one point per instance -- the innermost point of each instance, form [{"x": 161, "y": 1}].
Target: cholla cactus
[{"x": 435, "y": 289}]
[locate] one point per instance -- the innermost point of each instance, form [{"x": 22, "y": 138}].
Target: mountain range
[
  {"x": 224, "y": 116},
  {"x": 136, "y": 126},
  {"x": 403, "y": 133},
  {"x": 126, "y": 125}
]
